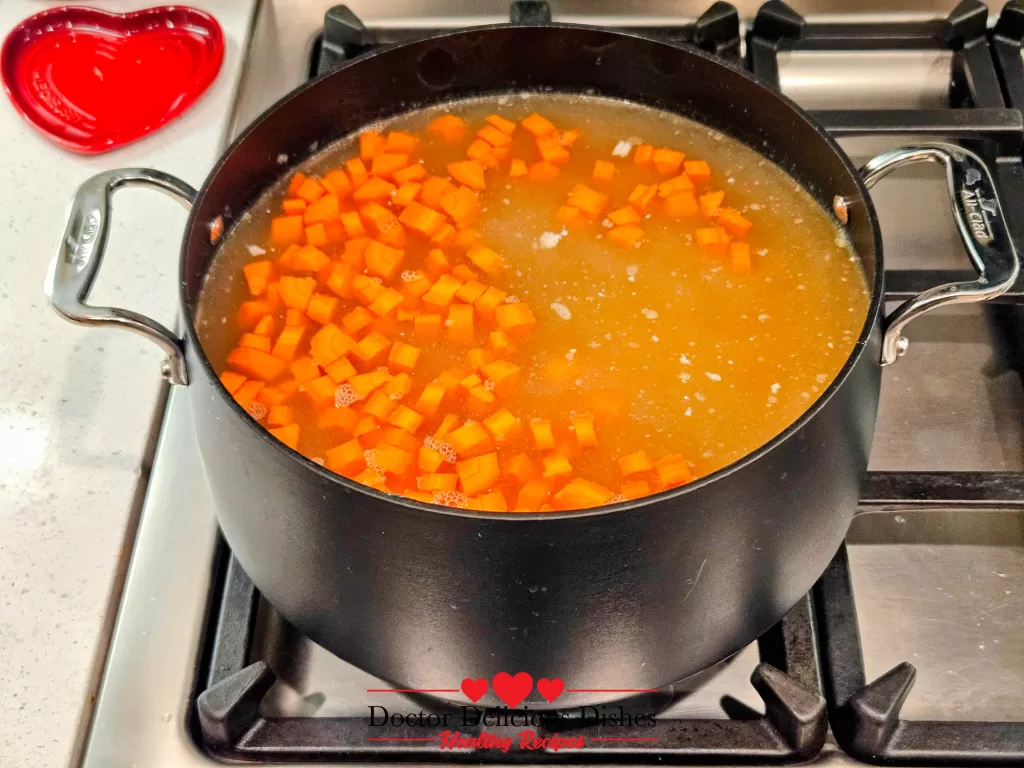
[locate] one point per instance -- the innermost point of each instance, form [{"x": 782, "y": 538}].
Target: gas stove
[{"x": 909, "y": 650}]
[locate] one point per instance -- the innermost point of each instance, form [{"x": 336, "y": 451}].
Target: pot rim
[{"x": 770, "y": 445}]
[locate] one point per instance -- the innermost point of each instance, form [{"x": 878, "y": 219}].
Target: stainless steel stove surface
[{"x": 935, "y": 562}]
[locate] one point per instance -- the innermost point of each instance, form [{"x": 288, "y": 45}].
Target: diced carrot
[
  {"x": 636, "y": 489},
  {"x": 484, "y": 258},
  {"x": 346, "y": 459},
  {"x": 568, "y": 138},
  {"x": 295, "y": 317},
  {"x": 480, "y": 400},
  {"x": 371, "y": 347},
  {"x": 491, "y": 299},
  {"x": 398, "y": 386},
  {"x": 713, "y": 239},
  {"x": 286, "y": 230},
  {"x": 471, "y": 439},
  {"x": 635, "y": 464},
  {"x": 308, "y": 258},
  {"x": 625, "y": 215},
  {"x": 740, "y": 254},
  {"x": 672, "y": 471},
  {"x": 681, "y": 204},
  {"x": 581, "y": 494},
  {"x": 255, "y": 364},
  {"x": 341, "y": 370},
  {"x": 317, "y": 235},
  {"x": 310, "y": 191},
  {"x": 604, "y": 170},
  {"x": 340, "y": 280},
  {"x": 499, "y": 342},
  {"x": 289, "y": 435},
  {"x": 437, "y": 263},
  {"x": 505, "y": 126},
  {"x": 356, "y": 320},
  {"x": 514, "y": 318},
  {"x": 460, "y": 323},
  {"x": 393, "y": 459},
  {"x": 641, "y": 196},
  {"x": 254, "y": 341},
  {"x": 710, "y": 202},
  {"x": 353, "y": 224},
  {"x": 437, "y": 481},
  {"x": 537, "y": 125},
  {"x": 400, "y": 141},
  {"x": 698, "y": 170},
  {"x": 675, "y": 185},
  {"x": 430, "y": 399},
  {"x": 296, "y": 182},
  {"x": 406, "y": 418},
  {"x": 325, "y": 209},
  {"x": 433, "y": 190},
  {"x": 667, "y": 161},
  {"x": 569, "y": 215},
  {"x": 587, "y": 200},
  {"x": 296, "y": 291},
  {"x": 379, "y": 406},
  {"x": 293, "y": 205},
  {"x": 448, "y": 127},
  {"x": 279, "y": 394},
  {"x": 461, "y": 204},
  {"x": 304, "y": 369},
  {"x": 551, "y": 151},
  {"x": 468, "y": 172},
  {"x": 504, "y": 374},
  {"x": 406, "y": 194},
  {"x": 583, "y": 426},
  {"x": 470, "y": 291},
  {"x": 644, "y": 154},
  {"x": 413, "y": 172},
  {"x": 274, "y": 294},
  {"x": 265, "y": 327},
  {"x": 280, "y": 415},
  {"x": 503, "y": 426},
  {"x": 442, "y": 292},
  {"x": 478, "y": 474},
  {"x": 339, "y": 417},
  {"x": 337, "y": 183},
  {"x": 403, "y": 357},
  {"x": 447, "y": 424},
  {"x": 488, "y": 502},
  {"x": 543, "y": 437},
  {"x": 381, "y": 260},
  {"x": 429, "y": 459},
  {"x": 288, "y": 341},
  {"x": 555, "y": 465},
  {"x": 257, "y": 275},
  {"x": 494, "y": 136},
  {"x": 371, "y": 144},
  {"x": 427, "y": 326},
  {"x": 470, "y": 381},
  {"x": 543, "y": 171},
  {"x": 465, "y": 273},
  {"x": 517, "y": 167},
  {"x": 734, "y": 222},
  {"x": 532, "y": 495},
  {"x": 628, "y": 235},
  {"x": 321, "y": 308},
  {"x": 365, "y": 383},
  {"x": 357, "y": 172},
  {"x": 386, "y": 163},
  {"x": 375, "y": 190},
  {"x": 367, "y": 289},
  {"x": 328, "y": 344},
  {"x": 477, "y": 358},
  {"x": 232, "y": 381},
  {"x": 422, "y": 219},
  {"x": 366, "y": 425}
]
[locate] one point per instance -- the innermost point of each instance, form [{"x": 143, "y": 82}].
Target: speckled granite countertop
[{"x": 77, "y": 406}]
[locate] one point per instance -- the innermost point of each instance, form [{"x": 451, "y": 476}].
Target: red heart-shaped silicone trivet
[
  {"x": 512, "y": 689},
  {"x": 93, "y": 81}
]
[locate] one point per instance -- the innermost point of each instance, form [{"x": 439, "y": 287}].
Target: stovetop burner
[{"x": 263, "y": 693}]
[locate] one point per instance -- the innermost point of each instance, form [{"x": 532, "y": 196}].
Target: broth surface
[{"x": 671, "y": 348}]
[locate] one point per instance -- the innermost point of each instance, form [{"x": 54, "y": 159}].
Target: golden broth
[{"x": 702, "y": 360}]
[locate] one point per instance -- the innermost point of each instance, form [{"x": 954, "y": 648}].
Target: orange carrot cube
[
  {"x": 667, "y": 161},
  {"x": 681, "y": 204},
  {"x": 468, "y": 172},
  {"x": 427, "y": 326},
  {"x": 698, "y": 170},
  {"x": 543, "y": 436},
  {"x": 286, "y": 230},
  {"x": 532, "y": 495},
  {"x": 710, "y": 202},
  {"x": 587, "y": 200},
  {"x": 625, "y": 215},
  {"x": 289, "y": 435},
  {"x": 635, "y": 464},
  {"x": 583, "y": 426},
  {"x": 409, "y": 174},
  {"x": 740, "y": 257},
  {"x": 514, "y": 318},
  {"x": 403, "y": 357},
  {"x": 371, "y": 347},
  {"x": 644, "y": 154},
  {"x": 346, "y": 459},
  {"x": 641, "y": 196},
  {"x": 672, "y": 471},
  {"x": 356, "y": 320},
  {"x": 448, "y": 127},
  {"x": 604, "y": 170},
  {"x": 581, "y": 494},
  {"x": 555, "y": 465},
  {"x": 437, "y": 481},
  {"x": 311, "y": 190},
  {"x": 537, "y": 125},
  {"x": 503, "y": 426},
  {"x": 734, "y": 222},
  {"x": 470, "y": 440},
  {"x": 478, "y": 474},
  {"x": 542, "y": 170},
  {"x": 628, "y": 235}
]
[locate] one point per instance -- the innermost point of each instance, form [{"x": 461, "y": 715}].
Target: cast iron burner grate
[{"x": 811, "y": 671}]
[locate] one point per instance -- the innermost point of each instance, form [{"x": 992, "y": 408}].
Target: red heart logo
[
  {"x": 474, "y": 689},
  {"x": 93, "y": 81},
  {"x": 512, "y": 690},
  {"x": 550, "y": 689}
]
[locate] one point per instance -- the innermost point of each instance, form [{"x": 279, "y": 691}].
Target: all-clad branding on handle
[
  {"x": 77, "y": 263},
  {"x": 980, "y": 222}
]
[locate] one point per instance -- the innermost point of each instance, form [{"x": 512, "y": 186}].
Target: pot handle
[
  {"x": 980, "y": 222},
  {"x": 77, "y": 263}
]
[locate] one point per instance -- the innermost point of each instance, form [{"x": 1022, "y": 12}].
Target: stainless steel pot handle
[
  {"x": 77, "y": 262},
  {"x": 982, "y": 226}
]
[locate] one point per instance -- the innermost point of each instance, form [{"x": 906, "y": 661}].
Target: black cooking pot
[{"x": 629, "y": 596}]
